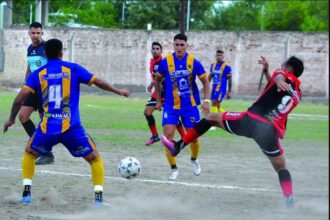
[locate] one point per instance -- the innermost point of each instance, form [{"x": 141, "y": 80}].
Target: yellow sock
[
  {"x": 195, "y": 148},
  {"x": 221, "y": 110},
  {"x": 214, "y": 108},
  {"x": 28, "y": 165},
  {"x": 171, "y": 160},
  {"x": 97, "y": 171}
]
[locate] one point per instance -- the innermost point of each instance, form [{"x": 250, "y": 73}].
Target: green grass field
[{"x": 118, "y": 113}]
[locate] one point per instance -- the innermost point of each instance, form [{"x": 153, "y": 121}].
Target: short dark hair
[
  {"x": 35, "y": 24},
  {"x": 220, "y": 51},
  {"x": 181, "y": 37},
  {"x": 156, "y": 43},
  {"x": 53, "y": 48},
  {"x": 296, "y": 64}
]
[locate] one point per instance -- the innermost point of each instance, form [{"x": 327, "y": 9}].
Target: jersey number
[{"x": 55, "y": 95}]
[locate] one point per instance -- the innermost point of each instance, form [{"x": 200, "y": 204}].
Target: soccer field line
[{"x": 197, "y": 185}]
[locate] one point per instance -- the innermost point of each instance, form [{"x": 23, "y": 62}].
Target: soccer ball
[{"x": 129, "y": 167}]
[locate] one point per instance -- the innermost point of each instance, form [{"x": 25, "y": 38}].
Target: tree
[
  {"x": 238, "y": 16},
  {"x": 297, "y": 16}
]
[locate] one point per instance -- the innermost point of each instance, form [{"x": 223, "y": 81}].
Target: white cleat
[
  {"x": 196, "y": 168},
  {"x": 213, "y": 128},
  {"x": 173, "y": 175}
]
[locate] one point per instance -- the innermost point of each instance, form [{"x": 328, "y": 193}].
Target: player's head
[
  {"x": 156, "y": 49},
  {"x": 180, "y": 44},
  {"x": 35, "y": 32},
  {"x": 53, "y": 49},
  {"x": 294, "y": 65},
  {"x": 219, "y": 55}
]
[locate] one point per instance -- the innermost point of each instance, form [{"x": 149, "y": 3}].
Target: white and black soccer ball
[{"x": 129, "y": 167}]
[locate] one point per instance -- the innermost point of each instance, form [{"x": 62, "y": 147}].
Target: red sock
[
  {"x": 153, "y": 129},
  {"x": 190, "y": 136},
  {"x": 181, "y": 130}
]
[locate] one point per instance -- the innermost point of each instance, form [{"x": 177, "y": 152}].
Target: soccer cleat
[
  {"x": 98, "y": 199},
  {"x": 170, "y": 146},
  {"x": 213, "y": 128},
  {"x": 196, "y": 168},
  {"x": 288, "y": 199},
  {"x": 173, "y": 175},
  {"x": 45, "y": 159},
  {"x": 152, "y": 140},
  {"x": 26, "y": 197}
]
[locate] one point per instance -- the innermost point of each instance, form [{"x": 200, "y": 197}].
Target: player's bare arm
[
  {"x": 229, "y": 93},
  {"x": 157, "y": 82},
  {"x": 264, "y": 62},
  {"x": 16, "y": 107},
  {"x": 206, "y": 90},
  {"x": 102, "y": 84},
  {"x": 281, "y": 84}
]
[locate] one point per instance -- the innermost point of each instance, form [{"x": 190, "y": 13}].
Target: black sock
[
  {"x": 27, "y": 191},
  {"x": 174, "y": 167},
  {"x": 29, "y": 127},
  {"x": 150, "y": 119}
]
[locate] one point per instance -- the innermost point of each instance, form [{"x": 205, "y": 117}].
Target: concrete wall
[{"x": 122, "y": 56}]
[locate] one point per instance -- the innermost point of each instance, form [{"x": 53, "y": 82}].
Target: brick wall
[{"x": 122, "y": 56}]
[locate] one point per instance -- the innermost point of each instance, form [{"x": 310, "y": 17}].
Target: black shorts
[
  {"x": 32, "y": 101},
  {"x": 151, "y": 102},
  {"x": 255, "y": 127}
]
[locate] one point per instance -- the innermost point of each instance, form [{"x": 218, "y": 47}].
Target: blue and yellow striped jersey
[
  {"x": 180, "y": 80},
  {"x": 57, "y": 85},
  {"x": 220, "y": 73}
]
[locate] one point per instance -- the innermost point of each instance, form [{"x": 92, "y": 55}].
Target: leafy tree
[
  {"x": 297, "y": 16},
  {"x": 238, "y": 16},
  {"x": 164, "y": 14},
  {"x": 96, "y": 13}
]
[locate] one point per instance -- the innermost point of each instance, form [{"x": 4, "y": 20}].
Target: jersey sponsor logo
[
  {"x": 38, "y": 63},
  {"x": 81, "y": 150},
  {"x": 179, "y": 73},
  {"x": 57, "y": 115},
  {"x": 55, "y": 76},
  {"x": 192, "y": 119},
  {"x": 233, "y": 114}
]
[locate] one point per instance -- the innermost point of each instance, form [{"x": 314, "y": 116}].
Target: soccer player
[
  {"x": 35, "y": 59},
  {"x": 156, "y": 51},
  {"x": 264, "y": 121},
  {"x": 180, "y": 70},
  {"x": 57, "y": 87},
  {"x": 220, "y": 74}
]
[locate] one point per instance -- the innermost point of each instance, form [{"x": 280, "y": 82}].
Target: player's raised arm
[
  {"x": 21, "y": 96},
  {"x": 102, "y": 84},
  {"x": 264, "y": 62}
]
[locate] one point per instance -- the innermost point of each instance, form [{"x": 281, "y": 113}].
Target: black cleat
[{"x": 45, "y": 159}]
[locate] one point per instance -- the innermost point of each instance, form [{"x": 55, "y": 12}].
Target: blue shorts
[
  {"x": 76, "y": 140},
  {"x": 218, "y": 95},
  {"x": 189, "y": 117}
]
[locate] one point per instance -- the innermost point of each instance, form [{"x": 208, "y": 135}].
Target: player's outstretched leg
[{"x": 192, "y": 134}]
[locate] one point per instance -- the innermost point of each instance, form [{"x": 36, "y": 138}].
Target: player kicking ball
[{"x": 264, "y": 121}]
